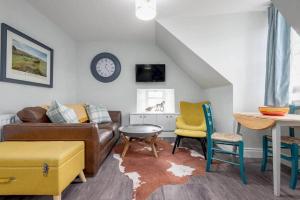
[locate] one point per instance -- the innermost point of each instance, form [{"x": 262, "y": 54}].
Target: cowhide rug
[{"x": 149, "y": 173}]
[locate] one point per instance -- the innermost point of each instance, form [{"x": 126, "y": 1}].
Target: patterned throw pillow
[
  {"x": 97, "y": 114},
  {"x": 59, "y": 113},
  {"x": 80, "y": 111}
]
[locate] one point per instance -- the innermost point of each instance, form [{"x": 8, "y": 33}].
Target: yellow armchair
[
  {"x": 191, "y": 124},
  {"x": 181, "y": 124}
]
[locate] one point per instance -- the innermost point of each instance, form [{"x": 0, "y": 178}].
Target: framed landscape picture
[{"x": 25, "y": 60}]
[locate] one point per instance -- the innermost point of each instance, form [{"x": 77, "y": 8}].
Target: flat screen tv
[{"x": 150, "y": 72}]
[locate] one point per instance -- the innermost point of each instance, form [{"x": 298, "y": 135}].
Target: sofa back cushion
[
  {"x": 59, "y": 113},
  {"x": 33, "y": 115},
  {"x": 80, "y": 112}
]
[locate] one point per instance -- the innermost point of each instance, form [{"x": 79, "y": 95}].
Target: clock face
[{"x": 105, "y": 67}]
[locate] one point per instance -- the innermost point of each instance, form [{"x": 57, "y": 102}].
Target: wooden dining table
[{"x": 258, "y": 122}]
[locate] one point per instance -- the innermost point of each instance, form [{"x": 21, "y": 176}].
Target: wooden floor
[
  {"x": 226, "y": 184},
  {"x": 222, "y": 184}
]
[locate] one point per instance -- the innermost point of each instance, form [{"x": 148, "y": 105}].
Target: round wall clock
[{"x": 105, "y": 67}]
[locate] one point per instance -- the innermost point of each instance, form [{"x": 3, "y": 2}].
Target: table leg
[
  {"x": 126, "y": 146},
  {"x": 153, "y": 141},
  {"x": 123, "y": 139},
  {"x": 276, "y": 144}
]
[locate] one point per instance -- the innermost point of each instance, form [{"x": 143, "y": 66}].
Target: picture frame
[{"x": 25, "y": 60}]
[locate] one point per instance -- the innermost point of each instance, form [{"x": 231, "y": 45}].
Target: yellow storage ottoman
[{"x": 40, "y": 168}]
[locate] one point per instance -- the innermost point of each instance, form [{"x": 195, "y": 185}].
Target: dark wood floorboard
[
  {"x": 109, "y": 184},
  {"x": 221, "y": 184}
]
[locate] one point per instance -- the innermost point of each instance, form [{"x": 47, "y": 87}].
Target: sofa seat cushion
[
  {"x": 108, "y": 125},
  {"x": 105, "y": 136}
]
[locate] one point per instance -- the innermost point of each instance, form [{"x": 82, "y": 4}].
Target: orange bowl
[{"x": 274, "y": 111}]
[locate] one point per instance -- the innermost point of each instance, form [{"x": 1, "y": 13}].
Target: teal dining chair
[
  {"x": 291, "y": 143},
  {"x": 216, "y": 138}
]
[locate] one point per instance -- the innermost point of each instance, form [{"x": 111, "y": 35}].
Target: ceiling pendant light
[{"x": 145, "y": 9}]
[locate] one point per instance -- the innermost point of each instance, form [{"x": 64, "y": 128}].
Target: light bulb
[{"x": 145, "y": 9}]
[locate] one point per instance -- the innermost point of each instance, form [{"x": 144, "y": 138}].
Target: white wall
[
  {"x": 235, "y": 46},
  {"x": 23, "y": 17},
  {"x": 121, "y": 93},
  {"x": 222, "y": 107}
]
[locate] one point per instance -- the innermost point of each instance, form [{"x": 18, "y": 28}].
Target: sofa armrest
[
  {"x": 116, "y": 116},
  {"x": 50, "y": 131},
  {"x": 180, "y": 124}
]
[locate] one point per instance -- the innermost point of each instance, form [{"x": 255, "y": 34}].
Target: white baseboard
[
  {"x": 253, "y": 152},
  {"x": 248, "y": 152},
  {"x": 167, "y": 134}
]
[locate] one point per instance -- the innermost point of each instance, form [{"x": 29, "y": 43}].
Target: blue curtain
[{"x": 278, "y": 60}]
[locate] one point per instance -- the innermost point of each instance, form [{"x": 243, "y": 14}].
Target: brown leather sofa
[{"x": 99, "y": 138}]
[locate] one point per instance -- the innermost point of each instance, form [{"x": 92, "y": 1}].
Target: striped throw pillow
[
  {"x": 59, "y": 113},
  {"x": 97, "y": 114}
]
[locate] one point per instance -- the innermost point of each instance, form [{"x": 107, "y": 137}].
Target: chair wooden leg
[
  {"x": 57, "y": 197},
  {"x": 209, "y": 155},
  {"x": 294, "y": 174},
  {"x": 82, "y": 177},
  {"x": 242, "y": 166},
  {"x": 265, "y": 154},
  {"x": 175, "y": 144},
  {"x": 203, "y": 145}
]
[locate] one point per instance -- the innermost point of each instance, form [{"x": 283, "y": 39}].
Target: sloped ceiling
[
  {"x": 290, "y": 9},
  {"x": 191, "y": 63}
]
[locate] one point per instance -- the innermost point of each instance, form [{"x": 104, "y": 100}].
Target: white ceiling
[{"x": 91, "y": 20}]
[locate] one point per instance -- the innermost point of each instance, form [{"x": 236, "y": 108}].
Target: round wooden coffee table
[{"x": 141, "y": 132}]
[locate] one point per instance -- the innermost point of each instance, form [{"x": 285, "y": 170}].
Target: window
[
  {"x": 155, "y": 101},
  {"x": 295, "y": 67}
]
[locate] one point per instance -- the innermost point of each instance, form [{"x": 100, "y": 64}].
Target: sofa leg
[
  {"x": 57, "y": 197},
  {"x": 82, "y": 177}
]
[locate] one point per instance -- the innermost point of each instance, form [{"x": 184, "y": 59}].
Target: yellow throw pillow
[
  {"x": 46, "y": 107},
  {"x": 80, "y": 112},
  {"x": 192, "y": 113}
]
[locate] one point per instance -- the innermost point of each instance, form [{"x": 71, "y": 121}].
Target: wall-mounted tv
[{"x": 150, "y": 72}]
